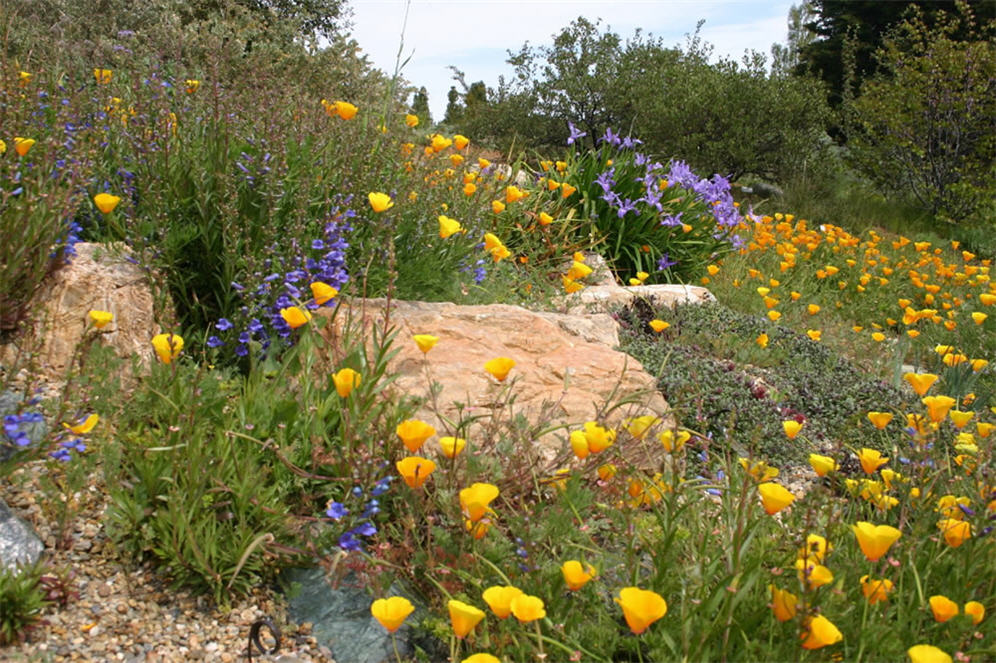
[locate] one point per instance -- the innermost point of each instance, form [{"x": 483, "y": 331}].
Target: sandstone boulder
[
  {"x": 99, "y": 277},
  {"x": 566, "y": 366}
]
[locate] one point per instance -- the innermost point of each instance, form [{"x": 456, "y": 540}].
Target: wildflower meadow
[{"x": 822, "y": 488}]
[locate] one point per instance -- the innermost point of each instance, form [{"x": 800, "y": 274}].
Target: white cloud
[{"x": 474, "y": 35}]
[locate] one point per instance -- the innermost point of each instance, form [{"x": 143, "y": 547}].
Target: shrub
[
  {"x": 925, "y": 127},
  {"x": 644, "y": 218}
]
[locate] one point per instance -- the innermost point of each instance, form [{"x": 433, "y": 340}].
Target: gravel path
[{"x": 119, "y": 612}]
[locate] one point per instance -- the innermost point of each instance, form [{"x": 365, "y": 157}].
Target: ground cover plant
[{"x": 849, "y": 516}]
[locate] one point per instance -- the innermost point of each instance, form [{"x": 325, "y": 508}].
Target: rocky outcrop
[
  {"x": 566, "y": 370},
  {"x": 99, "y": 277}
]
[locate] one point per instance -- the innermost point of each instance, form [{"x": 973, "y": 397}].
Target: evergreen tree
[{"x": 420, "y": 105}]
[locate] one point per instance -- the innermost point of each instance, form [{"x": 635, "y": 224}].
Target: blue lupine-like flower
[
  {"x": 365, "y": 529},
  {"x": 336, "y": 510},
  {"x": 349, "y": 542},
  {"x": 223, "y": 324},
  {"x": 382, "y": 486},
  {"x": 214, "y": 342}
]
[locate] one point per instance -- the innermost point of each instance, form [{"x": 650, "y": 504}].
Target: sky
[{"x": 475, "y": 35}]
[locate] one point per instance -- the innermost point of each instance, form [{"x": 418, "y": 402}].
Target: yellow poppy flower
[
  {"x": 921, "y": 382},
  {"x": 475, "y": 499},
  {"x": 976, "y": 611},
  {"x": 955, "y": 531},
  {"x": 448, "y": 226},
  {"x": 380, "y": 201},
  {"x": 942, "y": 607},
  {"x": 774, "y": 497},
  {"x": 100, "y": 318},
  {"x": 414, "y": 433},
  {"x": 938, "y": 406},
  {"x": 192, "y": 85},
  {"x": 820, "y": 632},
  {"x": 463, "y": 617},
  {"x": 659, "y": 325},
  {"x": 638, "y": 427},
  {"x": 875, "y": 540},
  {"x": 641, "y": 607},
  {"x": 871, "y": 460},
  {"x": 876, "y": 590},
  {"x": 102, "y": 76},
  {"x": 323, "y": 292},
  {"x": 295, "y": 316},
  {"x": 481, "y": 657},
  {"x": 528, "y": 608},
  {"x": 499, "y": 367},
  {"x": 411, "y": 121},
  {"x": 815, "y": 575},
  {"x": 105, "y": 202},
  {"x": 791, "y": 428},
  {"x": 880, "y": 419},
  {"x": 599, "y": 438},
  {"x": 499, "y": 599},
  {"x": 345, "y": 381},
  {"x": 460, "y": 142},
  {"x": 167, "y": 346},
  {"x": 344, "y": 109},
  {"x": 927, "y": 654},
  {"x": 452, "y": 446},
  {"x": 85, "y": 426},
  {"x": 783, "y": 603},
  {"x": 415, "y": 470},
  {"x": 23, "y": 145},
  {"x": 576, "y": 575},
  {"x": 391, "y": 612},
  {"x": 822, "y": 465}
]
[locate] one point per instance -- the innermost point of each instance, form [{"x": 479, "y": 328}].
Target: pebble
[{"x": 124, "y": 611}]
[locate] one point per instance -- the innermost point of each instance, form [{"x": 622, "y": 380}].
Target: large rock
[
  {"x": 99, "y": 277},
  {"x": 341, "y": 619},
  {"x": 18, "y": 542},
  {"x": 605, "y": 297},
  {"x": 566, "y": 366}
]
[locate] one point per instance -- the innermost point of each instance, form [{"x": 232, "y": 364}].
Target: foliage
[
  {"x": 865, "y": 24},
  {"x": 23, "y": 598},
  {"x": 667, "y": 223},
  {"x": 39, "y": 195},
  {"x": 741, "y": 393},
  {"x": 217, "y": 471},
  {"x": 925, "y": 126},
  {"x": 728, "y": 118}
]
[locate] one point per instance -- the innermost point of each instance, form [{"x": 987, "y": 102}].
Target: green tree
[
  {"x": 866, "y": 22},
  {"x": 926, "y": 125},
  {"x": 786, "y": 57},
  {"x": 732, "y": 118},
  {"x": 454, "y": 107},
  {"x": 420, "y": 105}
]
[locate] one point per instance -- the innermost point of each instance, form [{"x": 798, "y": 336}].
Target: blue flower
[
  {"x": 349, "y": 542},
  {"x": 365, "y": 529},
  {"x": 575, "y": 134},
  {"x": 336, "y": 510},
  {"x": 665, "y": 262}
]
